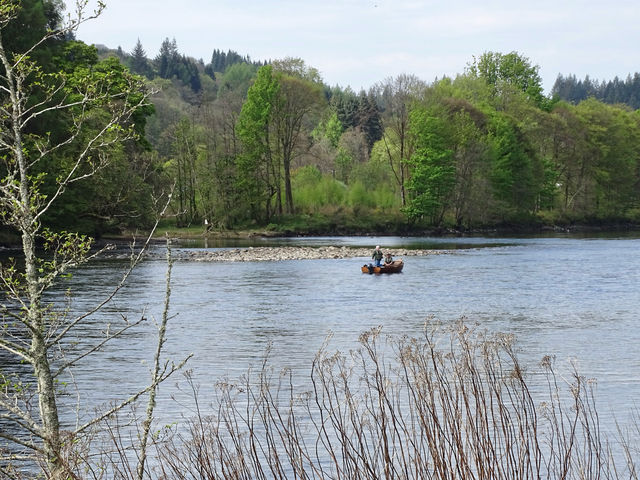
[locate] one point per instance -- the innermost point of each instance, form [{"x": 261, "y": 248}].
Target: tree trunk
[
  {"x": 38, "y": 352},
  {"x": 47, "y": 403},
  {"x": 288, "y": 194}
]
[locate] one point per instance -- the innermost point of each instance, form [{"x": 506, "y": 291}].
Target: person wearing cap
[
  {"x": 377, "y": 256},
  {"x": 388, "y": 259}
]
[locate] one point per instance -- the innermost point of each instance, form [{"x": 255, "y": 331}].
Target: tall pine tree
[
  {"x": 167, "y": 58},
  {"x": 139, "y": 61}
]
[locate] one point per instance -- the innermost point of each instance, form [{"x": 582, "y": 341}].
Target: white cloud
[{"x": 360, "y": 42}]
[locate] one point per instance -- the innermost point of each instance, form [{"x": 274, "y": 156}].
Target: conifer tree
[
  {"x": 139, "y": 60},
  {"x": 167, "y": 58},
  {"x": 369, "y": 120}
]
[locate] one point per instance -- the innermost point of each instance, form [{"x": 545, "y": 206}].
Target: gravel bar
[{"x": 275, "y": 254}]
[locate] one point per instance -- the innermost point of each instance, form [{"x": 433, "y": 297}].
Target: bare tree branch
[
  {"x": 135, "y": 260},
  {"x": 20, "y": 441},
  {"x": 21, "y": 417},
  {"x": 16, "y": 349},
  {"x": 96, "y": 347},
  {"x": 134, "y": 397}
]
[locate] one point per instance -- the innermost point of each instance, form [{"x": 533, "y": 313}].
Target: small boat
[{"x": 393, "y": 267}]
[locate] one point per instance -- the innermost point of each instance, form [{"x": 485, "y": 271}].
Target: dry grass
[
  {"x": 452, "y": 405},
  {"x": 455, "y": 404}
]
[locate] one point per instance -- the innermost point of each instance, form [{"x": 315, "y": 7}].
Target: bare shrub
[{"x": 454, "y": 404}]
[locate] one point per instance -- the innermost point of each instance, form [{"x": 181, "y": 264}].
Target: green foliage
[
  {"x": 329, "y": 128},
  {"x": 237, "y": 78},
  {"x": 273, "y": 126},
  {"x": 96, "y": 92},
  {"x": 377, "y": 197},
  {"x": 613, "y": 92},
  {"x": 510, "y": 70},
  {"x": 345, "y": 104},
  {"x": 512, "y": 173},
  {"x": 296, "y": 67},
  {"x": 340, "y": 220},
  {"x": 169, "y": 64},
  {"x": 255, "y": 164},
  {"x": 482, "y": 148},
  {"x": 169, "y": 108},
  {"x": 433, "y": 170},
  {"x": 139, "y": 62},
  {"x": 220, "y": 61},
  {"x": 360, "y": 196},
  {"x": 369, "y": 118},
  {"x": 119, "y": 193},
  {"x": 30, "y": 23},
  {"x": 187, "y": 154},
  {"x": 359, "y": 112},
  {"x": 313, "y": 191},
  {"x": 318, "y": 194},
  {"x": 74, "y": 55},
  {"x": 344, "y": 163},
  {"x": 613, "y": 156},
  {"x": 91, "y": 108},
  {"x": 371, "y": 187}
]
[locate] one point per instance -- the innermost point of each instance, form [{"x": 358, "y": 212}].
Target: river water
[{"x": 575, "y": 298}]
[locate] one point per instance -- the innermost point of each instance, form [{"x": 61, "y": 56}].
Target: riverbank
[
  {"x": 10, "y": 242},
  {"x": 276, "y": 254},
  {"x": 335, "y": 230}
]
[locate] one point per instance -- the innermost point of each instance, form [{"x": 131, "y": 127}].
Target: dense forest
[{"x": 244, "y": 143}]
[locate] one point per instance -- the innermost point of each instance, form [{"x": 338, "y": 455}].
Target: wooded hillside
[{"x": 268, "y": 143}]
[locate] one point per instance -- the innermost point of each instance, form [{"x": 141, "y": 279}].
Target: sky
[{"x": 358, "y": 43}]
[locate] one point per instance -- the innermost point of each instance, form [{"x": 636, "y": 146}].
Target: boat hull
[{"x": 394, "y": 267}]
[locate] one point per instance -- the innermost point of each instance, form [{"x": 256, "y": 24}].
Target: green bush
[{"x": 312, "y": 190}]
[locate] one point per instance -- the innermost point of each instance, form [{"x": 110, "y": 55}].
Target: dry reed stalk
[{"x": 453, "y": 404}]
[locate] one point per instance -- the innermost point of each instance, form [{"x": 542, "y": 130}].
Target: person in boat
[
  {"x": 388, "y": 259},
  {"x": 377, "y": 256}
]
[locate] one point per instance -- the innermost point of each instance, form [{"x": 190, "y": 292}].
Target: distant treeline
[
  {"x": 613, "y": 91},
  {"x": 169, "y": 63}
]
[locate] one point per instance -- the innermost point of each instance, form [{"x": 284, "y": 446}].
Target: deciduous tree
[
  {"x": 102, "y": 107},
  {"x": 397, "y": 95},
  {"x": 433, "y": 171},
  {"x": 258, "y": 177},
  {"x": 273, "y": 130},
  {"x": 297, "y": 99},
  {"x": 510, "y": 70}
]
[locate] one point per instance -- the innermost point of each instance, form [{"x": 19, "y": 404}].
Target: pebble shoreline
[{"x": 274, "y": 254}]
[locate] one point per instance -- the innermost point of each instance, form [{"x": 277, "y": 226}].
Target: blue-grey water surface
[{"x": 575, "y": 298}]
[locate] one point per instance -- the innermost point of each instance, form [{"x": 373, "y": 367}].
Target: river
[{"x": 574, "y": 298}]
